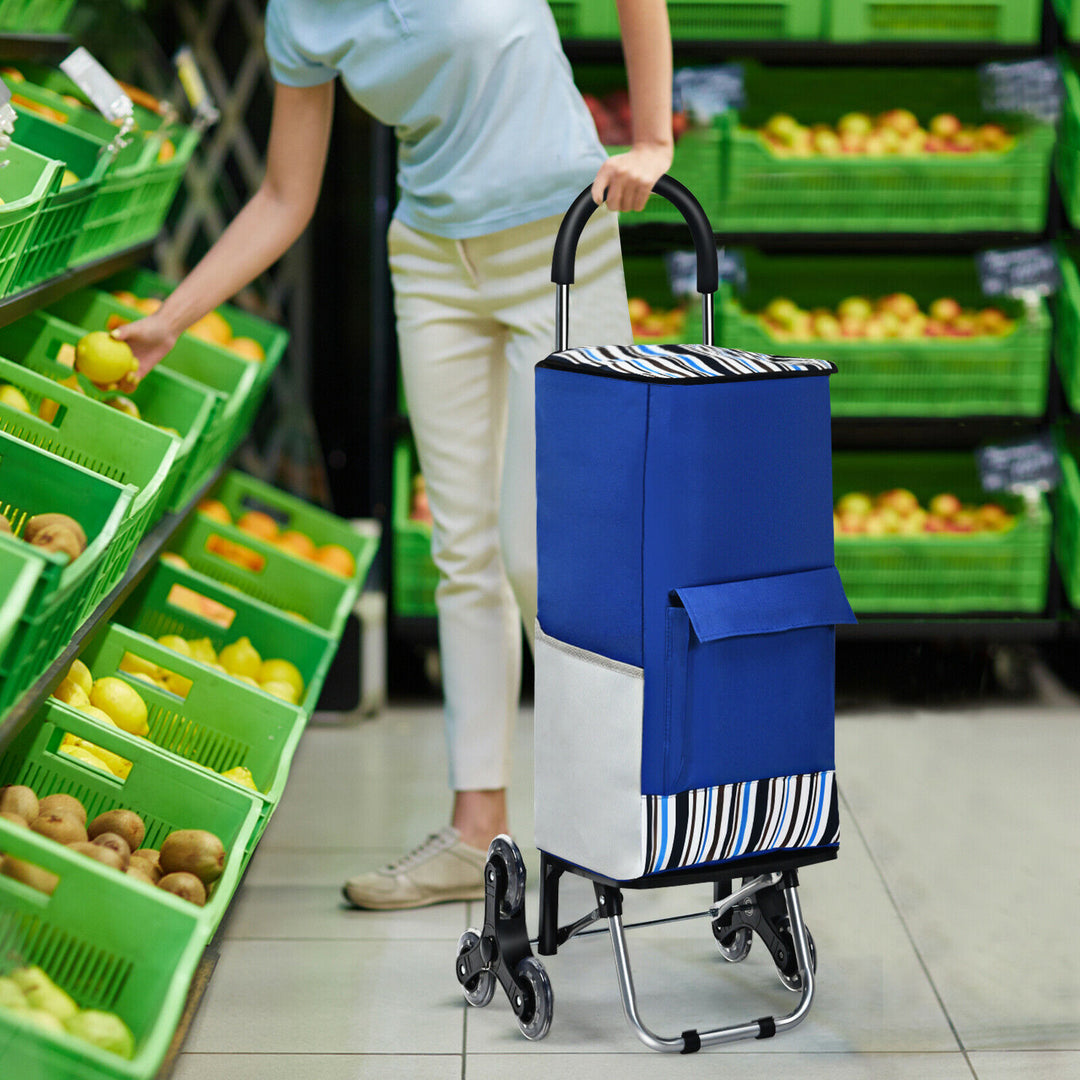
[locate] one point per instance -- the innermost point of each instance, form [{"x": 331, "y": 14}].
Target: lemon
[
  {"x": 202, "y": 649},
  {"x": 80, "y": 753},
  {"x": 241, "y": 658},
  {"x": 14, "y": 397},
  {"x": 104, "y": 360},
  {"x": 117, "y": 765},
  {"x": 131, "y": 664},
  {"x": 176, "y": 643},
  {"x": 246, "y": 679},
  {"x": 122, "y": 702},
  {"x": 283, "y": 690},
  {"x": 71, "y": 693},
  {"x": 278, "y": 670},
  {"x": 80, "y": 673},
  {"x": 241, "y": 774},
  {"x": 100, "y": 715}
]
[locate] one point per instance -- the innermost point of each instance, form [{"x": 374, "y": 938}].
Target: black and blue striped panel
[{"x": 701, "y": 363}]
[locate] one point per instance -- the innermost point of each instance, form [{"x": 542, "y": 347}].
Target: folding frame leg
[{"x": 610, "y": 900}]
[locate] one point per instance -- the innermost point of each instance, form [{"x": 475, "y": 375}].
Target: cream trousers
[{"x": 473, "y": 319}]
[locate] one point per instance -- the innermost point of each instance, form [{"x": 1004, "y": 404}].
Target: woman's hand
[
  {"x": 149, "y": 339},
  {"x": 625, "y": 180}
]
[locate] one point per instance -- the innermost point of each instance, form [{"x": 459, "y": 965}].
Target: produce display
[
  {"x": 896, "y": 316},
  {"x": 212, "y": 327},
  {"x": 896, "y": 131},
  {"x": 655, "y": 323},
  {"x": 59, "y": 533},
  {"x": 612, "y": 117},
  {"x": 333, "y": 557},
  {"x": 898, "y": 512},
  {"x": 187, "y": 863},
  {"x": 29, "y": 993}
]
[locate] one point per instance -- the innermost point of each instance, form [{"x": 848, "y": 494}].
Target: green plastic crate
[
  {"x": 63, "y": 218},
  {"x": 153, "y": 610},
  {"x": 1068, "y": 14},
  {"x": 1004, "y": 22},
  {"x": 165, "y": 398},
  {"x": 111, "y": 945},
  {"x": 21, "y": 566},
  {"x": 1067, "y": 521},
  {"x": 1067, "y": 150},
  {"x": 701, "y": 20},
  {"x": 221, "y": 723},
  {"x": 942, "y": 193},
  {"x": 270, "y": 575},
  {"x": 941, "y": 377},
  {"x": 26, "y": 182},
  {"x": 167, "y": 793},
  {"x": 105, "y": 440},
  {"x": 240, "y": 492},
  {"x": 33, "y": 481},
  {"x": 228, "y": 374},
  {"x": 1067, "y": 336},
  {"x": 34, "y": 16},
  {"x": 415, "y": 575},
  {"x": 936, "y": 573},
  {"x": 272, "y": 338}
]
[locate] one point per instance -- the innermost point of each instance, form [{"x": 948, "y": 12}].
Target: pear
[
  {"x": 42, "y": 993},
  {"x": 10, "y": 995},
  {"x": 102, "y": 1029}
]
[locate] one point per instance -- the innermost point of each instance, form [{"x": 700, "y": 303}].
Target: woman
[{"x": 494, "y": 143}]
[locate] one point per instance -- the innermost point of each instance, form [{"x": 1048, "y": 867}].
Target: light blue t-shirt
[{"x": 491, "y": 130}]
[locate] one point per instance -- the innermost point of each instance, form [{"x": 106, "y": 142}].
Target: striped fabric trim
[
  {"x": 714, "y": 824},
  {"x": 704, "y": 363}
]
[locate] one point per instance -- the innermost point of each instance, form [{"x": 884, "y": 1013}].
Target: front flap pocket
[{"x": 749, "y": 673}]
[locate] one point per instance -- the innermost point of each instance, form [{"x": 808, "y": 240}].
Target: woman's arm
[
  {"x": 646, "y": 40},
  {"x": 261, "y": 233}
]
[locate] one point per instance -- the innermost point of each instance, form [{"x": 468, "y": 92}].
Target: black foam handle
[{"x": 708, "y": 274}]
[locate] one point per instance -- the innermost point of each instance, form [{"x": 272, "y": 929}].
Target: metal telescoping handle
[{"x": 562, "y": 259}]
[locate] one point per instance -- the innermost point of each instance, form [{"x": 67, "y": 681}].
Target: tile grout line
[{"x": 907, "y": 932}]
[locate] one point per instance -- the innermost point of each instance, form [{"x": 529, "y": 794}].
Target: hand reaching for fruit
[{"x": 148, "y": 339}]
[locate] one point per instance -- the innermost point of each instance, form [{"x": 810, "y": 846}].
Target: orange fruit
[
  {"x": 125, "y": 297},
  {"x": 167, "y": 151},
  {"x": 337, "y": 559},
  {"x": 215, "y": 509},
  {"x": 297, "y": 543},
  {"x": 235, "y": 553},
  {"x": 212, "y": 327},
  {"x": 147, "y": 304},
  {"x": 248, "y": 348},
  {"x": 114, "y": 320},
  {"x": 258, "y": 524}
]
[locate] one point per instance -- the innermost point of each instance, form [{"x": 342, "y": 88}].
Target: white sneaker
[{"x": 442, "y": 868}]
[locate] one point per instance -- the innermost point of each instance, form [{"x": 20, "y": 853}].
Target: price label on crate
[
  {"x": 682, "y": 270},
  {"x": 1019, "y": 272},
  {"x": 1034, "y": 87},
  {"x": 706, "y": 92},
  {"x": 1030, "y": 465},
  {"x": 187, "y": 70},
  {"x": 98, "y": 85}
]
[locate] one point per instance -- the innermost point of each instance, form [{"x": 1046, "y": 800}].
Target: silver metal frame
[
  {"x": 562, "y": 317},
  {"x": 752, "y": 1030}
]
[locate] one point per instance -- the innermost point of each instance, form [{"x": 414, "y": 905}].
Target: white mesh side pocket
[{"x": 587, "y": 759}]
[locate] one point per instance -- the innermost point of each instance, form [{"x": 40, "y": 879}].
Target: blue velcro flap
[{"x": 766, "y": 605}]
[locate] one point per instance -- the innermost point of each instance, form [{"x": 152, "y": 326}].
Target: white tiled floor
[{"x": 945, "y": 931}]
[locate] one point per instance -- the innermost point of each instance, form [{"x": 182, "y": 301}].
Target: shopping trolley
[{"x": 684, "y": 656}]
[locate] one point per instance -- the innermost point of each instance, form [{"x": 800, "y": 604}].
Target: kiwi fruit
[
  {"x": 40, "y": 522},
  {"x": 148, "y": 858},
  {"x": 99, "y": 852},
  {"x": 29, "y": 874},
  {"x": 141, "y": 871},
  {"x": 62, "y": 801},
  {"x": 5, "y": 525},
  {"x": 60, "y": 539},
  {"x": 59, "y": 825},
  {"x": 14, "y": 819},
  {"x": 19, "y": 799},
  {"x": 115, "y": 843},
  {"x": 195, "y": 851},
  {"x": 125, "y": 823},
  {"x": 185, "y": 885}
]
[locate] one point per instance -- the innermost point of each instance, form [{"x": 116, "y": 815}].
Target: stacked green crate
[
  {"x": 415, "y": 575},
  {"x": 1003, "y": 22},
  {"x": 1067, "y": 150},
  {"x": 701, "y": 20},
  {"x": 1001, "y": 374},
  {"x": 941, "y": 572},
  {"x": 1000, "y": 191},
  {"x": 27, "y": 181},
  {"x": 1067, "y": 335},
  {"x": 1067, "y": 520},
  {"x": 34, "y": 16}
]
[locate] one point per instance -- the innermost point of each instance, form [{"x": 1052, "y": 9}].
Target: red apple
[
  {"x": 945, "y": 504},
  {"x": 901, "y": 500},
  {"x": 901, "y": 121},
  {"x": 900, "y": 304},
  {"x": 945, "y": 125},
  {"x": 639, "y": 308},
  {"x": 945, "y": 309}
]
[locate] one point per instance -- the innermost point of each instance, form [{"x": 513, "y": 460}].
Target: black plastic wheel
[
  {"x": 535, "y": 1021},
  {"x": 506, "y": 851},
  {"x": 480, "y": 989},
  {"x": 794, "y": 980},
  {"x": 736, "y": 946}
]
